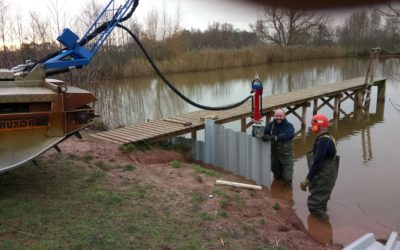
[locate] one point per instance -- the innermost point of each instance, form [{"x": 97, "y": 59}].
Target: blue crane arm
[{"x": 78, "y": 53}]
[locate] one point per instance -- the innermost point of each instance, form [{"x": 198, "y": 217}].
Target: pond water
[{"x": 364, "y": 198}]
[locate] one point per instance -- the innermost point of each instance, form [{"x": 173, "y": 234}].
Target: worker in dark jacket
[
  {"x": 323, "y": 164},
  {"x": 280, "y": 133}
]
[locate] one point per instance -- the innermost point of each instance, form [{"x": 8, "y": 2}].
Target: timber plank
[
  {"x": 122, "y": 140},
  {"x": 105, "y": 138},
  {"x": 119, "y": 136}
]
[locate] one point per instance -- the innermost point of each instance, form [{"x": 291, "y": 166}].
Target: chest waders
[
  {"x": 282, "y": 159},
  {"x": 322, "y": 184}
]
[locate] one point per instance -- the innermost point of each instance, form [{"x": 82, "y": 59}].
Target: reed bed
[{"x": 214, "y": 59}]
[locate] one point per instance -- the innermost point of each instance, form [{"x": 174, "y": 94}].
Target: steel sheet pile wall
[{"x": 236, "y": 152}]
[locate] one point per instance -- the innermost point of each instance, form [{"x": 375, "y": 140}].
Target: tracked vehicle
[{"x": 36, "y": 112}]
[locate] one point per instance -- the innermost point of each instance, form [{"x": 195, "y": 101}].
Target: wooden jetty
[{"x": 355, "y": 89}]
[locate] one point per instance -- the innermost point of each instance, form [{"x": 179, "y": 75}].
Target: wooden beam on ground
[{"x": 237, "y": 184}]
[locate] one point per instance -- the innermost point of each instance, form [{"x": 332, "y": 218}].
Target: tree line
[{"x": 166, "y": 40}]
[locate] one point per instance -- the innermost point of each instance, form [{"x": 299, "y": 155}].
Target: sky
[
  {"x": 193, "y": 13},
  {"x": 199, "y": 13}
]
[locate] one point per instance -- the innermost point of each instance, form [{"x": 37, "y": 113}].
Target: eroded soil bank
[{"x": 95, "y": 195}]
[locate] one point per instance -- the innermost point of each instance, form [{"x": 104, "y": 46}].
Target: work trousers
[
  {"x": 282, "y": 161},
  {"x": 321, "y": 186}
]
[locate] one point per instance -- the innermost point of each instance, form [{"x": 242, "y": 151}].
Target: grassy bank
[
  {"x": 68, "y": 204},
  {"x": 77, "y": 202},
  {"x": 210, "y": 59}
]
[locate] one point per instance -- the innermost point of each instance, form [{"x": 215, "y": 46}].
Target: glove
[
  {"x": 304, "y": 184},
  {"x": 267, "y": 137}
]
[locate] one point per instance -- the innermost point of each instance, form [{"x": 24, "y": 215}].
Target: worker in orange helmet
[{"x": 323, "y": 164}]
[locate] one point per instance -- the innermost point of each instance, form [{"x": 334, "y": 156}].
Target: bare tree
[
  {"x": 392, "y": 25},
  {"x": 391, "y": 9},
  {"x": 3, "y": 23},
  {"x": 87, "y": 16},
  {"x": 390, "y": 14},
  {"x": 166, "y": 29},
  {"x": 259, "y": 28},
  {"x": 19, "y": 26},
  {"x": 39, "y": 28},
  {"x": 151, "y": 24},
  {"x": 361, "y": 29},
  {"x": 177, "y": 24},
  {"x": 287, "y": 27},
  {"x": 323, "y": 33},
  {"x": 58, "y": 15}
]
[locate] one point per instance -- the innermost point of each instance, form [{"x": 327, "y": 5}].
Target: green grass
[
  {"x": 176, "y": 164},
  {"x": 87, "y": 158},
  {"x": 103, "y": 165},
  {"x": 137, "y": 146},
  {"x": 181, "y": 146},
  {"x": 60, "y": 206},
  {"x": 207, "y": 217},
  {"x": 67, "y": 203},
  {"x": 227, "y": 200},
  {"x": 202, "y": 170},
  {"x": 277, "y": 206},
  {"x": 222, "y": 214},
  {"x": 199, "y": 179},
  {"x": 127, "y": 167},
  {"x": 196, "y": 197}
]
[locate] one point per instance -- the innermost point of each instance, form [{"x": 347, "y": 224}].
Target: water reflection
[
  {"x": 320, "y": 230},
  {"x": 349, "y": 125},
  {"x": 282, "y": 192},
  {"x": 126, "y": 101}
]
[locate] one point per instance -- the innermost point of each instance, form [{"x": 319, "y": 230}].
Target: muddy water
[{"x": 365, "y": 198}]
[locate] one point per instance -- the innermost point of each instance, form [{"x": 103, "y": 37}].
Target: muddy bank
[{"x": 252, "y": 218}]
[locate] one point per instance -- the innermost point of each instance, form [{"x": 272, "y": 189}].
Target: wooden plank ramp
[{"x": 178, "y": 125}]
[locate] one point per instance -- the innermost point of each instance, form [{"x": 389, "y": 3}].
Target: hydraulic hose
[
  {"x": 172, "y": 87},
  {"x": 92, "y": 35},
  {"x": 105, "y": 25}
]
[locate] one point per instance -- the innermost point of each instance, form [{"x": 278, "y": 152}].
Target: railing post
[
  {"x": 210, "y": 140},
  {"x": 243, "y": 125},
  {"x": 303, "y": 116},
  {"x": 381, "y": 91},
  {"x": 315, "y": 106},
  {"x": 336, "y": 111}
]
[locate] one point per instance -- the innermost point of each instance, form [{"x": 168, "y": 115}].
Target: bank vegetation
[{"x": 279, "y": 35}]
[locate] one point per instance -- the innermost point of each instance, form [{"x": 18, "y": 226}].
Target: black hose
[
  {"x": 92, "y": 35},
  {"x": 166, "y": 81},
  {"x": 104, "y": 25}
]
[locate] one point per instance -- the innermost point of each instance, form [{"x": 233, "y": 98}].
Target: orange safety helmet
[{"x": 317, "y": 121}]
